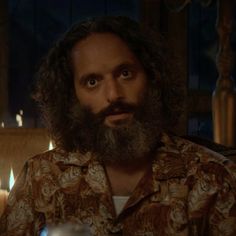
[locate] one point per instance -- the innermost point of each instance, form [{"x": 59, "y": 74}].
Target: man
[{"x": 109, "y": 95}]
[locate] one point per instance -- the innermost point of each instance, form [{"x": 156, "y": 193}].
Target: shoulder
[
  {"x": 58, "y": 157},
  {"x": 210, "y": 175},
  {"x": 56, "y": 166},
  {"x": 199, "y": 159},
  {"x": 52, "y": 171}
]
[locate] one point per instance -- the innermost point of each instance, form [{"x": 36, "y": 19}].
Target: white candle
[
  {"x": 19, "y": 120},
  {"x": 50, "y": 145},
  {"x": 3, "y": 200}
]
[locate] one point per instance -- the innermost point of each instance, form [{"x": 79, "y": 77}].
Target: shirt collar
[
  {"x": 168, "y": 162},
  {"x": 72, "y": 158}
]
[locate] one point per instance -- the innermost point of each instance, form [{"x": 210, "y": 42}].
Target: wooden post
[{"x": 224, "y": 96}]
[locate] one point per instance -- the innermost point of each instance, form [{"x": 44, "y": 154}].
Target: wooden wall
[{"x": 16, "y": 146}]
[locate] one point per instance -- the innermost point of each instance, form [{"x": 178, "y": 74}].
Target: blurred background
[{"x": 28, "y": 28}]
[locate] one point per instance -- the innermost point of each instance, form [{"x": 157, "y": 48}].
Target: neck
[
  {"x": 124, "y": 177},
  {"x": 128, "y": 167}
]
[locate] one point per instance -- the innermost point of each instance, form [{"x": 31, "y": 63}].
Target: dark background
[{"x": 35, "y": 24}]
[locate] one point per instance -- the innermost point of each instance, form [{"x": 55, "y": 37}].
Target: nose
[{"x": 114, "y": 91}]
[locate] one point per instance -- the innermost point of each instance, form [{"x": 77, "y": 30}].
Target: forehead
[
  {"x": 97, "y": 41},
  {"x": 100, "y": 51}
]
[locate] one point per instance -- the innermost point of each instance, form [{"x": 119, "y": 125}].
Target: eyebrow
[{"x": 125, "y": 65}]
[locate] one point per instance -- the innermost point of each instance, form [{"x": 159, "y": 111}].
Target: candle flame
[
  {"x": 11, "y": 179},
  {"x": 50, "y": 146}
]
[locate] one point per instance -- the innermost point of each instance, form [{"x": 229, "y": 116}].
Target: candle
[
  {"x": 19, "y": 118},
  {"x": 50, "y": 145},
  {"x": 4, "y": 193},
  {"x": 2, "y": 125},
  {"x": 11, "y": 179},
  {"x": 3, "y": 199}
]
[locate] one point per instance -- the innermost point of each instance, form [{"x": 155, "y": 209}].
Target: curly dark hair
[{"x": 55, "y": 91}]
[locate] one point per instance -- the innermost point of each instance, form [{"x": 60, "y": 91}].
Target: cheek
[
  {"x": 141, "y": 90},
  {"x": 88, "y": 100},
  {"x": 82, "y": 95}
]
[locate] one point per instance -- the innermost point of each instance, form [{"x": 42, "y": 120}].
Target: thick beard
[{"x": 124, "y": 143}]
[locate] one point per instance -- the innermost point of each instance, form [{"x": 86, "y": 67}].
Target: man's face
[
  {"x": 109, "y": 80},
  {"x": 118, "y": 116}
]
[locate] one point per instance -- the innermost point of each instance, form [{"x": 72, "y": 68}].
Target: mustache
[
  {"x": 114, "y": 108},
  {"x": 117, "y": 108},
  {"x": 86, "y": 118}
]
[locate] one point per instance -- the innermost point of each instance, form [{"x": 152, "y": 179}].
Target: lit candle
[
  {"x": 3, "y": 199},
  {"x": 19, "y": 118},
  {"x": 4, "y": 193},
  {"x": 2, "y": 125},
  {"x": 50, "y": 145},
  {"x": 11, "y": 179}
]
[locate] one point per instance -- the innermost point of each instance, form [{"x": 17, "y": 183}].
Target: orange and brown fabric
[{"x": 189, "y": 190}]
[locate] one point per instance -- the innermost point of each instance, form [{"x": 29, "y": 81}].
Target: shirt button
[{"x": 84, "y": 169}]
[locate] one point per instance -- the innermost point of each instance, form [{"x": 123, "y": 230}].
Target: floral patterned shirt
[{"x": 189, "y": 190}]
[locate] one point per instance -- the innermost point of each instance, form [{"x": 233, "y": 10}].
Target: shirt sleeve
[
  {"x": 212, "y": 198},
  {"x": 222, "y": 217},
  {"x": 19, "y": 217}
]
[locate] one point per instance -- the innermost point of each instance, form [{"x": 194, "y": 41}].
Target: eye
[
  {"x": 91, "y": 83},
  {"x": 126, "y": 74}
]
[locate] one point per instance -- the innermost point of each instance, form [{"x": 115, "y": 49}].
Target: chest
[{"x": 160, "y": 213}]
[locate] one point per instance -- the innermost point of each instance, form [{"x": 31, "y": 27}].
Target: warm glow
[
  {"x": 11, "y": 179},
  {"x": 50, "y": 146},
  {"x": 2, "y": 125},
  {"x": 19, "y": 120}
]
